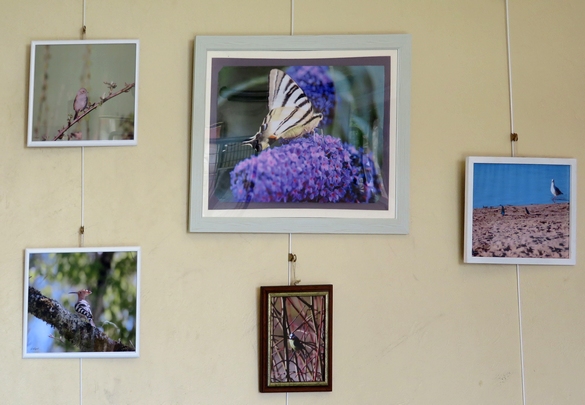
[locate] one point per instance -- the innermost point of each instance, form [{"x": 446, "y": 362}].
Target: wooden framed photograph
[
  {"x": 301, "y": 134},
  {"x": 296, "y": 338},
  {"x": 82, "y": 302},
  {"x": 83, "y": 93},
  {"x": 520, "y": 211}
]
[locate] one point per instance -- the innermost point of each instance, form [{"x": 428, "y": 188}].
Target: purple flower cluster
[
  {"x": 318, "y": 86},
  {"x": 314, "y": 168}
]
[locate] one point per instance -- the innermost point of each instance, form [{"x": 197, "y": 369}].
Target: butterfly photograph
[{"x": 294, "y": 139}]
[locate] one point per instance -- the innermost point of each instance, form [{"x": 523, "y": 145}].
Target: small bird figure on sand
[
  {"x": 80, "y": 102},
  {"x": 527, "y": 212},
  {"x": 554, "y": 190},
  {"x": 503, "y": 210}
]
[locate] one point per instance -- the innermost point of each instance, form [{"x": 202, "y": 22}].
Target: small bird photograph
[
  {"x": 83, "y": 93},
  {"x": 81, "y": 302},
  {"x": 522, "y": 208},
  {"x": 298, "y": 337}
]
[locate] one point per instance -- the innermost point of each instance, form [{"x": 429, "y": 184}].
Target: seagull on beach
[{"x": 554, "y": 190}]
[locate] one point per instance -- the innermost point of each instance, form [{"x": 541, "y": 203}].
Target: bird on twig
[
  {"x": 296, "y": 345},
  {"x": 80, "y": 102}
]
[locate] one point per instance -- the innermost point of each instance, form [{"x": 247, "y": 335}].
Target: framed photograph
[
  {"x": 301, "y": 134},
  {"x": 83, "y": 93},
  {"x": 81, "y": 302},
  {"x": 295, "y": 338},
  {"x": 520, "y": 211}
]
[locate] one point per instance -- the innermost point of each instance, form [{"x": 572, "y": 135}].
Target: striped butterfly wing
[
  {"x": 291, "y": 112},
  {"x": 290, "y": 115}
]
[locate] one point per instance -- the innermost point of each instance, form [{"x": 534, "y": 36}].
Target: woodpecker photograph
[
  {"x": 296, "y": 338},
  {"x": 81, "y": 302}
]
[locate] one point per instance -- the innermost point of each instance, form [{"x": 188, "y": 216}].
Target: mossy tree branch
[{"x": 71, "y": 326}]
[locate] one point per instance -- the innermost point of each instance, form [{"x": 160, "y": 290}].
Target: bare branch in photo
[{"x": 90, "y": 107}]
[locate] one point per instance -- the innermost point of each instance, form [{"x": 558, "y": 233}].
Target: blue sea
[{"x": 496, "y": 184}]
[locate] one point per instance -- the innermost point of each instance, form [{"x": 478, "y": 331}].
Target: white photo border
[
  {"x": 33, "y": 89},
  {"x": 471, "y": 161},
  {"x": 136, "y": 344}
]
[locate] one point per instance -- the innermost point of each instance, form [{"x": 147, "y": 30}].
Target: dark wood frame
[{"x": 314, "y": 330}]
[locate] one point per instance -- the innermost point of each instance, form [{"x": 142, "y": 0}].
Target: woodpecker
[
  {"x": 295, "y": 343},
  {"x": 82, "y": 306}
]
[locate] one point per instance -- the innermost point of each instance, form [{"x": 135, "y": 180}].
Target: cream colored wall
[{"x": 412, "y": 324}]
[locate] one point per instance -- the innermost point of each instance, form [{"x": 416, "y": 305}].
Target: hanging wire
[
  {"x": 289, "y": 261},
  {"x": 292, "y": 17},
  {"x": 522, "y": 370},
  {"x": 509, "y": 70},
  {"x": 83, "y": 26},
  {"x": 291, "y": 269},
  {"x": 80, "y": 381},
  {"x": 513, "y": 140},
  {"x": 82, "y": 227}
]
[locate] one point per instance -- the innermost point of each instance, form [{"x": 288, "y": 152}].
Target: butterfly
[{"x": 290, "y": 115}]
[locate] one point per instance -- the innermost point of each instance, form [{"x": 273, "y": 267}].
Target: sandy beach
[{"x": 527, "y": 231}]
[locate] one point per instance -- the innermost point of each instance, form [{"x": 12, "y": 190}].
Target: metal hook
[{"x": 292, "y": 258}]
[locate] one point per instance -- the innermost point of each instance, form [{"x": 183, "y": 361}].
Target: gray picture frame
[{"x": 286, "y": 217}]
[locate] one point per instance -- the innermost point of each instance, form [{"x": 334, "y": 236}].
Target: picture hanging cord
[
  {"x": 292, "y": 258},
  {"x": 80, "y": 381},
  {"x": 291, "y": 264},
  {"x": 292, "y": 17},
  {"x": 82, "y": 227},
  {"x": 520, "y": 331},
  {"x": 83, "y": 26},
  {"x": 513, "y": 140}
]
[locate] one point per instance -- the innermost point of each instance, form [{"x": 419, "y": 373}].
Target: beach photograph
[{"x": 520, "y": 208}]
